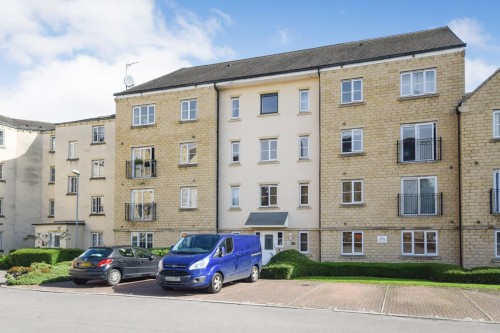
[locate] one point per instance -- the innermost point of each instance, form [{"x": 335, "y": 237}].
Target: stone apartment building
[{"x": 479, "y": 117}]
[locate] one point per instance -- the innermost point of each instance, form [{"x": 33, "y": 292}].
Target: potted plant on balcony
[{"x": 138, "y": 161}]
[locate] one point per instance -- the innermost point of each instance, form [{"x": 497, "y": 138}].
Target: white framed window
[
  {"x": 419, "y": 242},
  {"x": 268, "y": 195},
  {"x": 235, "y": 196},
  {"x": 52, "y": 207},
  {"x": 96, "y": 239},
  {"x": 496, "y": 124},
  {"x": 98, "y": 134},
  {"x": 497, "y": 243},
  {"x": 352, "y": 243},
  {"x": 269, "y": 103},
  {"x": 72, "y": 184},
  {"x": 52, "y": 143},
  {"x": 142, "y": 239},
  {"x": 1, "y": 206},
  {"x": 495, "y": 193},
  {"x": 143, "y": 115},
  {"x": 2, "y": 138},
  {"x": 1, "y": 171},
  {"x": 72, "y": 145},
  {"x": 279, "y": 238},
  {"x": 417, "y": 83},
  {"x": 303, "y": 241},
  {"x": 235, "y": 152},
  {"x": 52, "y": 174},
  {"x": 304, "y": 194},
  {"x": 189, "y": 109},
  {"x": 189, "y": 197},
  {"x": 304, "y": 147},
  {"x": 352, "y": 140},
  {"x": 97, "y": 205},
  {"x": 352, "y": 91},
  {"x": 54, "y": 240},
  {"x": 235, "y": 108},
  {"x": 269, "y": 150},
  {"x": 352, "y": 191},
  {"x": 304, "y": 100},
  {"x": 142, "y": 206},
  {"x": 419, "y": 196},
  {"x": 418, "y": 142},
  {"x": 143, "y": 162},
  {"x": 97, "y": 168},
  {"x": 188, "y": 153}
]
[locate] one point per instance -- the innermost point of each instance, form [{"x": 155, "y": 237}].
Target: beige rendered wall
[
  {"x": 166, "y": 135},
  {"x": 480, "y": 153},
  {"x": 381, "y": 115}
]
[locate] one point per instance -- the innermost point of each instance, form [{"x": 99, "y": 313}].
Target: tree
[{"x": 50, "y": 237}]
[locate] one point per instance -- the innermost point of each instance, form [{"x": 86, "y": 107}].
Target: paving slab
[{"x": 487, "y": 301}]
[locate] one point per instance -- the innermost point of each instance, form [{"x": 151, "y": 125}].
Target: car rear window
[{"x": 96, "y": 253}]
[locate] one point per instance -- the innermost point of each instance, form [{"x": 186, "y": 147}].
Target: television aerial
[{"x": 129, "y": 80}]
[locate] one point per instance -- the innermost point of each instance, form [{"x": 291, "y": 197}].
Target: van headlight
[
  {"x": 160, "y": 265},
  {"x": 199, "y": 264}
]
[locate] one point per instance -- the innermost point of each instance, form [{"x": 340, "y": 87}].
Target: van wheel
[
  {"x": 254, "y": 275},
  {"x": 79, "y": 282},
  {"x": 114, "y": 277},
  {"x": 216, "y": 284}
]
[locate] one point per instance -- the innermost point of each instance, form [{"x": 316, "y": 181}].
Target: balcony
[
  {"x": 418, "y": 151},
  {"x": 494, "y": 201},
  {"x": 140, "y": 212},
  {"x": 420, "y": 204},
  {"x": 140, "y": 169}
]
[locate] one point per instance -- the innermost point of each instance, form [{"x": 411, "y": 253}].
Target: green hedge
[
  {"x": 291, "y": 264},
  {"x": 25, "y": 257},
  {"x": 5, "y": 262},
  {"x": 159, "y": 251}
]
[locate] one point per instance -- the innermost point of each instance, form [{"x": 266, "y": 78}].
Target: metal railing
[
  {"x": 412, "y": 150},
  {"x": 141, "y": 169},
  {"x": 420, "y": 204},
  {"x": 140, "y": 212}
]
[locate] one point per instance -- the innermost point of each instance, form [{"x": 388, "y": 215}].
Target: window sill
[
  {"x": 235, "y": 164},
  {"x": 354, "y": 205},
  {"x": 52, "y": 151},
  {"x": 304, "y": 208},
  {"x": 269, "y": 208},
  {"x": 495, "y": 261},
  {"x": 70, "y": 193},
  {"x": 72, "y": 159},
  {"x": 235, "y": 209},
  {"x": 352, "y": 154},
  {"x": 234, "y": 120},
  {"x": 188, "y": 165},
  {"x": 98, "y": 143},
  {"x": 419, "y": 216},
  {"x": 97, "y": 178},
  {"x": 2, "y": 216},
  {"x": 2, "y": 181},
  {"x": 50, "y": 216},
  {"x": 419, "y": 257},
  {"x": 268, "y": 162},
  {"x": 269, "y": 114},
  {"x": 352, "y": 256},
  {"x": 495, "y": 140},
  {"x": 418, "y": 162},
  {"x": 304, "y": 113},
  {"x": 188, "y": 209},
  {"x": 304, "y": 160},
  {"x": 406, "y": 98},
  {"x": 343, "y": 105},
  {"x": 99, "y": 214},
  {"x": 51, "y": 183},
  {"x": 188, "y": 121},
  {"x": 142, "y": 126}
]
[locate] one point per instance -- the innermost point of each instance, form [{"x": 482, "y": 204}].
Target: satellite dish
[{"x": 129, "y": 81}]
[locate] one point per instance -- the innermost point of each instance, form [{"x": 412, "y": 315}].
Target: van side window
[{"x": 228, "y": 244}]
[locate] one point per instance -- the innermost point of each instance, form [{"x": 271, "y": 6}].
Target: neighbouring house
[{"x": 479, "y": 114}]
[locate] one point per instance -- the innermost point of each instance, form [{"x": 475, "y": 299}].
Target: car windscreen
[
  {"x": 196, "y": 244},
  {"x": 96, "y": 253}
]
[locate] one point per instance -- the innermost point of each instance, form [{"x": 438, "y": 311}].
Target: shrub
[
  {"x": 39, "y": 273},
  {"x": 68, "y": 254},
  {"x": 159, "y": 251},
  {"x": 25, "y": 257},
  {"x": 5, "y": 262},
  {"x": 291, "y": 264}
]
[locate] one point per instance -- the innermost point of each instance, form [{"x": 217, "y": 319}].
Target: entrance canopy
[{"x": 266, "y": 220}]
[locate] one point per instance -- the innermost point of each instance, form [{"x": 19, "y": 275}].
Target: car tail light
[{"x": 104, "y": 262}]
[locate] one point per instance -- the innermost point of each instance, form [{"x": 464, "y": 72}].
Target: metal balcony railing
[
  {"x": 423, "y": 150},
  {"x": 140, "y": 212},
  {"x": 420, "y": 204},
  {"x": 141, "y": 169}
]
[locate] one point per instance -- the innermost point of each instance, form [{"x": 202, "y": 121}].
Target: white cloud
[
  {"x": 476, "y": 71},
  {"x": 470, "y": 31},
  {"x": 282, "y": 37},
  {"x": 73, "y": 53}
]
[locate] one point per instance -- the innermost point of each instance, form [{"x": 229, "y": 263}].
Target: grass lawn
[{"x": 396, "y": 282}]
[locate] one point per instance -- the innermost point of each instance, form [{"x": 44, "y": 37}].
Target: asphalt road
[{"x": 36, "y": 311}]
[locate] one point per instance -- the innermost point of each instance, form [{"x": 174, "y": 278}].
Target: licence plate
[
  {"x": 85, "y": 264},
  {"x": 172, "y": 278}
]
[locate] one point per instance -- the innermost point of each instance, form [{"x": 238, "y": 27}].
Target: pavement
[{"x": 403, "y": 301}]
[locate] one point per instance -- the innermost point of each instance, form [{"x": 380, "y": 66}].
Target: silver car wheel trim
[
  {"x": 114, "y": 276},
  {"x": 255, "y": 273},
  {"x": 217, "y": 283}
]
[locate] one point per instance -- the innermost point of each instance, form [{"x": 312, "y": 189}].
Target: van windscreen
[{"x": 196, "y": 244}]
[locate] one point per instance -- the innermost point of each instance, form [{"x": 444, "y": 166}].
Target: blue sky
[{"x": 63, "y": 60}]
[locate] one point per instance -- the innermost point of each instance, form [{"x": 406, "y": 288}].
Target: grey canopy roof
[
  {"x": 271, "y": 219},
  {"x": 333, "y": 55}
]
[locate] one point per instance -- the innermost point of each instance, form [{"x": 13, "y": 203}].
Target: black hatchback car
[{"x": 112, "y": 264}]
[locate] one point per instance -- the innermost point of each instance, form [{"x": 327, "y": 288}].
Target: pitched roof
[
  {"x": 109, "y": 117},
  {"x": 327, "y": 56},
  {"x": 469, "y": 95},
  {"x": 29, "y": 125}
]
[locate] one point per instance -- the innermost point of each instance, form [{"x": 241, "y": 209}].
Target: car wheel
[
  {"x": 215, "y": 284},
  {"x": 254, "y": 275},
  {"x": 79, "y": 282},
  {"x": 114, "y": 277}
]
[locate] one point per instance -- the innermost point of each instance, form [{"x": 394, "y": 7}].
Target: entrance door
[{"x": 268, "y": 242}]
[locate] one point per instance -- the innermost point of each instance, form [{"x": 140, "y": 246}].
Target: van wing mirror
[{"x": 222, "y": 251}]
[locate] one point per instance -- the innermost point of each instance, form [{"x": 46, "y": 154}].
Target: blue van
[{"x": 209, "y": 260}]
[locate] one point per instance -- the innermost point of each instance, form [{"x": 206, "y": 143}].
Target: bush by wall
[
  {"x": 25, "y": 257},
  {"x": 159, "y": 251},
  {"x": 291, "y": 264}
]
